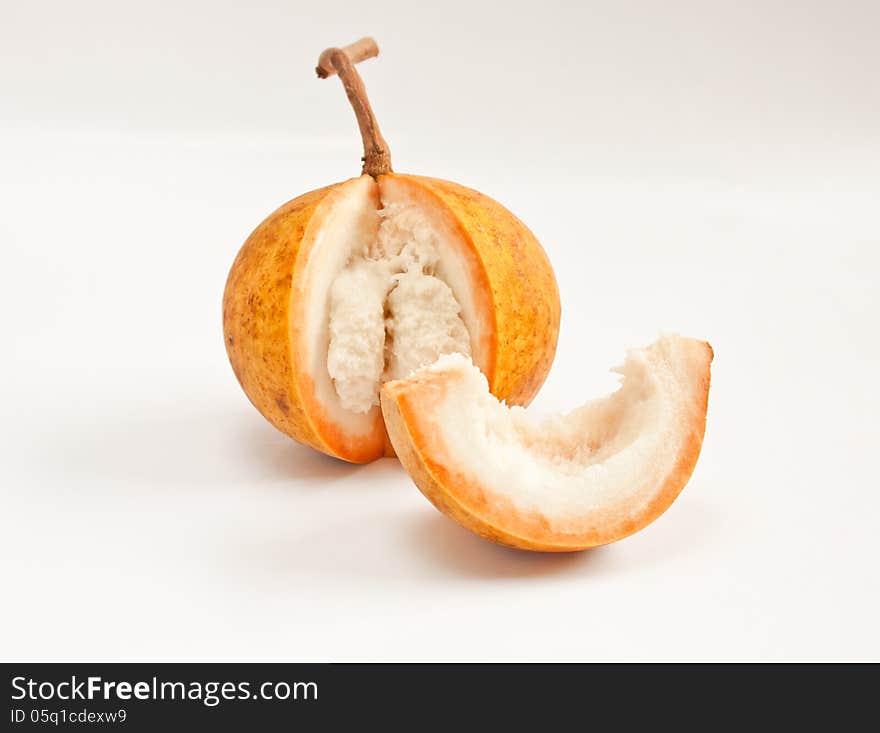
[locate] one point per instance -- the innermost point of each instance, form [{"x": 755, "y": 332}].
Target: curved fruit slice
[
  {"x": 593, "y": 476},
  {"x": 346, "y": 287}
]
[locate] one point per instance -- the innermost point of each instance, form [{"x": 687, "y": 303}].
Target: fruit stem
[{"x": 341, "y": 61}]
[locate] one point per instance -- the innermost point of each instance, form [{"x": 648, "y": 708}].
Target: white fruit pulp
[{"x": 389, "y": 313}]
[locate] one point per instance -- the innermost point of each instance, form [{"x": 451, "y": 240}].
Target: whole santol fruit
[{"x": 346, "y": 287}]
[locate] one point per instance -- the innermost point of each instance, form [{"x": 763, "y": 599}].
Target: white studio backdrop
[{"x": 709, "y": 168}]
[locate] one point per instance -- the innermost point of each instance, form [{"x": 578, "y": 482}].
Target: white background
[{"x": 710, "y": 168}]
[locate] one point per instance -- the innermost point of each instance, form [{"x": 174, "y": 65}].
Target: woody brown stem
[{"x": 341, "y": 61}]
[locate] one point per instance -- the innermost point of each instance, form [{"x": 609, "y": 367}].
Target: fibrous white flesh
[
  {"x": 347, "y": 231},
  {"x": 388, "y": 312},
  {"x": 424, "y": 322},
  {"x": 609, "y": 452},
  {"x": 355, "y": 358}
]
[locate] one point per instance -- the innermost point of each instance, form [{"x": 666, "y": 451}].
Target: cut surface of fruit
[
  {"x": 384, "y": 289},
  {"x": 390, "y": 312},
  {"x": 558, "y": 483}
]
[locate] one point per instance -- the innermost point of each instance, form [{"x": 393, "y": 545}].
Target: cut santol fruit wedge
[
  {"x": 361, "y": 282},
  {"x": 563, "y": 483}
]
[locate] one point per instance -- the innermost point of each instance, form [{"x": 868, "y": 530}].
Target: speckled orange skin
[
  {"x": 256, "y": 317},
  {"x": 408, "y": 405},
  {"x": 259, "y": 312}
]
